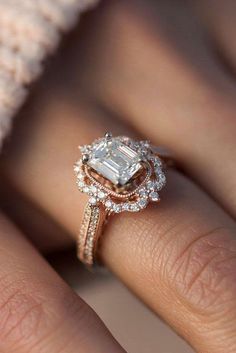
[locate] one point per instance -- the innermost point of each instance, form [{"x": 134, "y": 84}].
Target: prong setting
[
  {"x": 108, "y": 135},
  {"x": 85, "y": 158}
]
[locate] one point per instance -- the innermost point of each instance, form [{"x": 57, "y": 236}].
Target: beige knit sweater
[{"x": 29, "y": 31}]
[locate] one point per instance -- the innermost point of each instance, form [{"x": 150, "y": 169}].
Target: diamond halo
[{"x": 120, "y": 174}]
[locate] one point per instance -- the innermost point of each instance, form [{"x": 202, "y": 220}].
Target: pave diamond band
[
  {"x": 119, "y": 175},
  {"x": 92, "y": 221}
]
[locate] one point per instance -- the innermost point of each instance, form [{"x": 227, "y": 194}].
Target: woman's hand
[{"x": 166, "y": 72}]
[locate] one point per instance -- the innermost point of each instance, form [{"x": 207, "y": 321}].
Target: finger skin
[
  {"x": 38, "y": 311},
  {"x": 156, "y": 69},
  {"x": 179, "y": 256},
  {"x": 220, "y": 20}
]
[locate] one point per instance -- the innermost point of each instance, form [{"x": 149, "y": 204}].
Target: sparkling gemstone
[
  {"x": 80, "y": 184},
  {"x": 101, "y": 195},
  {"x": 108, "y": 203},
  {"x": 158, "y": 170},
  {"x": 162, "y": 178},
  {"x": 93, "y": 189},
  {"x": 93, "y": 200},
  {"x": 142, "y": 203},
  {"x": 77, "y": 168},
  {"x": 125, "y": 206},
  {"x": 143, "y": 193},
  {"x": 157, "y": 162},
  {"x": 154, "y": 196},
  {"x": 86, "y": 189},
  {"x": 84, "y": 149},
  {"x": 117, "y": 208},
  {"x": 115, "y": 161},
  {"x": 159, "y": 186},
  {"x": 134, "y": 207},
  {"x": 151, "y": 185}
]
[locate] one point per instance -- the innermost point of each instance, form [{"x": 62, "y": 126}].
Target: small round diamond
[
  {"x": 157, "y": 162},
  {"x": 101, "y": 195},
  {"x": 125, "y": 207},
  {"x": 80, "y": 184},
  {"x": 84, "y": 149},
  {"x": 117, "y": 208},
  {"x": 80, "y": 176},
  {"x": 77, "y": 168},
  {"x": 158, "y": 171},
  {"x": 158, "y": 186},
  {"x": 108, "y": 203},
  {"x": 150, "y": 185},
  {"x": 93, "y": 200},
  {"x": 134, "y": 207},
  {"x": 145, "y": 143},
  {"x": 142, "y": 203},
  {"x": 93, "y": 189},
  {"x": 143, "y": 193},
  {"x": 154, "y": 196},
  {"x": 162, "y": 178},
  {"x": 86, "y": 189}
]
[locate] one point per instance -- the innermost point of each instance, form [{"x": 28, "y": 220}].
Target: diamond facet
[
  {"x": 93, "y": 200},
  {"x": 115, "y": 161}
]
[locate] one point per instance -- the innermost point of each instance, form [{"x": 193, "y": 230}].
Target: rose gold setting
[
  {"x": 93, "y": 220},
  {"x": 139, "y": 167},
  {"x": 116, "y": 194}
]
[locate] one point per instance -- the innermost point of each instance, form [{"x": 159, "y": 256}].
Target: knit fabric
[{"x": 29, "y": 31}]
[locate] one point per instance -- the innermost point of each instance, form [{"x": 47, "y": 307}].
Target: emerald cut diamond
[{"x": 114, "y": 160}]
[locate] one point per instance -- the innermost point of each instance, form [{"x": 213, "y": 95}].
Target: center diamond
[{"x": 115, "y": 161}]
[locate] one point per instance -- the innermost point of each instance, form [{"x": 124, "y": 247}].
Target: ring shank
[{"x": 90, "y": 231}]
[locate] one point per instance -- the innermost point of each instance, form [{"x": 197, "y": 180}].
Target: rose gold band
[
  {"x": 91, "y": 228},
  {"x": 94, "y": 219}
]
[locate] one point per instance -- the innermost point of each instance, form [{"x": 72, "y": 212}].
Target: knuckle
[
  {"x": 198, "y": 265},
  {"x": 204, "y": 271}
]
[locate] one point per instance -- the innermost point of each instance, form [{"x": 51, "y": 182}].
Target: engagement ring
[{"x": 118, "y": 174}]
